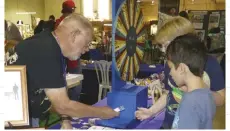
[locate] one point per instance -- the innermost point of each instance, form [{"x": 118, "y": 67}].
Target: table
[
  {"x": 96, "y": 54},
  {"x": 144, "y": 68},
  {"x": 151, "y": 123},
  {"x": 74, "y": 80},
  {"x": 90, "y": 85},
  {"x": 146, "y": 71},
  {"x": 90, "y": 67}
]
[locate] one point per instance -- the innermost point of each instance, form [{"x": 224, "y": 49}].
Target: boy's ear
[{"x": 182, "y": 68}]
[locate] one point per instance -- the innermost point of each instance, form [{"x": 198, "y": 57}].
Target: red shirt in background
[{"x": 70, "y": 64}]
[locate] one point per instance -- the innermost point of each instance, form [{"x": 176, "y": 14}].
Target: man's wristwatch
[{"x": 66, "y": 118}]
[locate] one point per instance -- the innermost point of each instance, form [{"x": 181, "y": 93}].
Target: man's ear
[{"x": 182, "y": 68}]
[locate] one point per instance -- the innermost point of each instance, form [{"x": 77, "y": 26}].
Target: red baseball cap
[{"x": 68, "y": 4}]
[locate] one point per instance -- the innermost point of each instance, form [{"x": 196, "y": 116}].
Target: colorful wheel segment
[{"x": 129, "y": 39}]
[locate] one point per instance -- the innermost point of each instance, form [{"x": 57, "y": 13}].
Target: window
[
  {"x": 88, "y": 8},
  {"x": 103, "y": 9}
]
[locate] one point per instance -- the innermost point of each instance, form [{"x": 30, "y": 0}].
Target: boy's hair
[{"x": 188, "y": 49}]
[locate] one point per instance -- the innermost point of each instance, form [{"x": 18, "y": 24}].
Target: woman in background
[{"x": 40, "y": 27}]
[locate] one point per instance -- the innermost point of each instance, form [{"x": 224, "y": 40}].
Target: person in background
[
  {"x": 52, "y": 18},
  {"x": 44, "y": 56},
  {"x": 40, "y": 27},
  {"x": 184, "y": 14},
  {"x": 173, "y": 12},
  {"x": 197, "y": 107},
  {"x": 171, "y": 97},
  {"x": 68, "y": 7},
  {"x": 50, "y": 24},
  {"x": 12, "y": 33},
  {"x": 12, "y": 37}
]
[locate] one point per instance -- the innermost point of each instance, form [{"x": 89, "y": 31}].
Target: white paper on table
[
  {"x": 152, "y": 66},
  {"x": 100, "y": 128},
  {"x": 73, "y": 78},
  {"x": 78, "y": 77}
]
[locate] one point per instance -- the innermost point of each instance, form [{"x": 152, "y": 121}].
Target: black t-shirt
[{"x": 45, "y": 66}]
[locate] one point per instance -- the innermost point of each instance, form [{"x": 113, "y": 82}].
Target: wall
[
  {"x": 13, "y": 6},
  {"x": 150, "y": 12},
  {"x": 51, "y": 7},
  {"x": 201, "y": 5},
  {"x": 44, "y": 9}
]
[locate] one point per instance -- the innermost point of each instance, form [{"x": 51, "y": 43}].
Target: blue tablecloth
[
  {"x": 144, "y": 69},
  {"x": 151, "y": 123},
  {"x": 90, "y": 67},
  {"x": 90, "y": 85},
  {"x": 96, "y": 54}
]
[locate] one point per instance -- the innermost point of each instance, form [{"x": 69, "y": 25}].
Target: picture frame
[{"x": 16, "y": 95}]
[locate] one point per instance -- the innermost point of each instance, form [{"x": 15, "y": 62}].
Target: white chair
[{"x": 104, "y": 67}]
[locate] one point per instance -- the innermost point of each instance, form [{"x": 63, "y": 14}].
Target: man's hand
[
  {"x": 108, "y": 113},
  {"x": 64, "y": 106}
]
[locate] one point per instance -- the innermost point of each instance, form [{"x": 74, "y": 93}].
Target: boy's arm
[{"x": 160, "y": 104}]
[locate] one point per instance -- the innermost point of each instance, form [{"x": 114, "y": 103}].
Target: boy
[{"x": 186, "y": 59}]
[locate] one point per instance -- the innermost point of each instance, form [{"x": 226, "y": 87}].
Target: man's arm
[
  {"x": 219, "y": 97},
  {"x": 64, "y": 106},
  {"x": 217, "y": 81}
]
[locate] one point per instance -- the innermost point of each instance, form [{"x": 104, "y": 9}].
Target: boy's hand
[{"x": 143, "y": 113}]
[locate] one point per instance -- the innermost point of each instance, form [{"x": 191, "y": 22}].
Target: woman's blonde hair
[{"x": 173, "y": 28}]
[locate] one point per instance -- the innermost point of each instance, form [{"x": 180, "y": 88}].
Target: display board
[{"x": 205, "y": 22}]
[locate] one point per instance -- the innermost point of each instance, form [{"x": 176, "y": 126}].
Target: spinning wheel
[{"x": 129, "y": 39}]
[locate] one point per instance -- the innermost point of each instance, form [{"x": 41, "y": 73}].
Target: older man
[{"x": 44, "y": 56}]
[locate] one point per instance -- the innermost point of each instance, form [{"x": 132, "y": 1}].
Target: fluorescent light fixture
[
  {"x": 138, "y": 0},
  {"x": 153, "y": 2},
  {"x": 25, "y": 13}
]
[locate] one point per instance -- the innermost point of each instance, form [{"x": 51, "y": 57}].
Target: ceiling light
[
  {"x": 25, "y": 13},
  {"x": 153, "y": 2}
]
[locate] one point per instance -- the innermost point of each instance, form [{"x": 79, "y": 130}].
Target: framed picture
[{"x": 16, "y": 96}]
